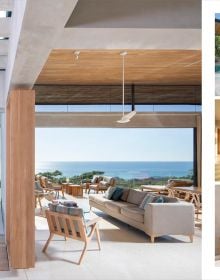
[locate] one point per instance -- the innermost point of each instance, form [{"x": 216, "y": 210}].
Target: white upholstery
[{"x": 172, "y": 217}]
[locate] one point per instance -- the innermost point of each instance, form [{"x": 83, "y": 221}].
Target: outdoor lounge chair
[
  {"x": 47, "y": 185},
  {"x": 40, "y": 193},
  {"x": 103, "y": 184},
  {"x": 72, "y": 226}
]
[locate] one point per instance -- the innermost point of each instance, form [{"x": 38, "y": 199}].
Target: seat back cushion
[
  {"x": 109, "y": 192},
  {"x": 95, "y": 179},
  {"x": 125, "y": 194},
  {"x": 149, "y": 198},
  {"x": 136, "y": 197},
  {"x": 38, "y": 186},
  {"x": 112, "y": 181},
  {"x": 117, "y": 194},
  {"x": 168, "y": 199}
]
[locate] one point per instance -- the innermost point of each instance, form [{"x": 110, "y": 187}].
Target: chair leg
[
  {"x": 98, "y": 237},
  {"x": 40, "y": 204},
  {"x": 152, "y": 238},
  {"x": 83, "y": 253},
  {"x": 191, "y": 238},
  {"x": 47, "y": 243}
]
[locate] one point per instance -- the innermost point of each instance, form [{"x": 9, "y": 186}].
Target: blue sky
[
  {"x": 105, "y": 144},
  {"x": 217, "y": 16}
]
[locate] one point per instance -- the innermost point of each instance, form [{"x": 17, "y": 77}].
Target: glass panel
[
  {"x": 117, "y": 108},
  {"x": 175, "y": 108},
  {"x": 135, "y": 156}
]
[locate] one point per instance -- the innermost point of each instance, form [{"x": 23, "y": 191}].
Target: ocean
[{"x": 122, "y": 169}]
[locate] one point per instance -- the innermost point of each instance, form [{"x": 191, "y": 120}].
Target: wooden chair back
[
  {"x": 66, "y": 225},
  {"x": 72, "y": 227}
]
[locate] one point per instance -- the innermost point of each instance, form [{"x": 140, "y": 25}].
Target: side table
[{"x": 72, "y": 189}]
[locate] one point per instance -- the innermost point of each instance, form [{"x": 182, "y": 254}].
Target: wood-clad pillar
[{"x": 20, "y": 231}]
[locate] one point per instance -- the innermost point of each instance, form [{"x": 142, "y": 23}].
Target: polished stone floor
[{"x": 126, "y": 254}]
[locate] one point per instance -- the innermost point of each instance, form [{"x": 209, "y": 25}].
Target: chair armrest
[
  {"x": 93, "y": 221},
  {"x": 38, "y": 192},
  {"x": 169, "y": 218}
]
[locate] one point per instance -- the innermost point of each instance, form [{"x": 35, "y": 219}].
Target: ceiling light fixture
[
  {"x": 77, "y": 53},
  {"x": 125, "y": 118}
]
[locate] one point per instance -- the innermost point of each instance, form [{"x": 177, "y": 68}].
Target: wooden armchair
[
  {"x": 73, "y": 227},
  {"x": 49, "y": 186},
  {"x": 40, "y": 193},
  {"x": 103, "y": 185}
]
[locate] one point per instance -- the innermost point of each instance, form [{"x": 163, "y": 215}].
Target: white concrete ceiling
[
  {"x": 162, "y": 24},
  {"x": 150, "y": 14}
]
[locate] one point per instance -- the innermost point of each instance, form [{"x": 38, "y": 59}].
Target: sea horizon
[{"x": 121, "y": 169}]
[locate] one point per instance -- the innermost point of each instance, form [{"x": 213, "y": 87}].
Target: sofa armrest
[{"x": 169, "y": 218}]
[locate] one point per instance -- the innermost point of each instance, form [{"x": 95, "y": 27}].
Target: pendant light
[{"x": 125, "y": 117}]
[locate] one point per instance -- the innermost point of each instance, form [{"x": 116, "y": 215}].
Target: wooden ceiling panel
[
  {"x": 158, "y": 76},
  {"x": 91, "y": 94},
  {"x": 104, "y": 67}
]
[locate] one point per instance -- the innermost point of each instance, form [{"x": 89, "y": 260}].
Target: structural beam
[
  {"x": 100, "y": 94},
  {"x": 6, "y": 5},
  {"x": 20, "y": 229},
  {"x": 43, "y": 21},
  {"x": 142, "y": 120},
  {"x": 5, "y": 25},
  {"x": 3, "y": 61},
  {"x": 4, "y": 47}
]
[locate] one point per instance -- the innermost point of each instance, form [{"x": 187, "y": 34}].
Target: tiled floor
[{"x": 126, "y": 254}]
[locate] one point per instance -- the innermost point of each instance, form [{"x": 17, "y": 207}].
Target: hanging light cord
[{"x": 123, "y": 83}]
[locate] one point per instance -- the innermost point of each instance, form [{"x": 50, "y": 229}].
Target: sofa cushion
[
  {"x": 73, "y": 211},
  {"x": 95, "y": 179},
  {"x": 149, "y": 198},
  {"x": 111, "y": 205},
  {"x": 159, "y": 199},
  {"x": 109, "y": 192},
  {"x": 134, "y": 213},
  {"x": 135, "y": 197},
  {"x": 125, "y": 194},
  {"x": 117, "y": 194},
  {"x": 168, "y": 199},
  {"x": 116, "y": 206},
  {"x": 98, "y": 198}
]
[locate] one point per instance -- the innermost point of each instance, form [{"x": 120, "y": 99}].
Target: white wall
[
  {"x": 3, "y": 162},
  {"x": 217, "y": 220},
  {"x": 2, "y": 89},
  {"x": 17, "y": 19}
]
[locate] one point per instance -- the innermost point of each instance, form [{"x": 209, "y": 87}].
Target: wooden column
[{"x": 20, "y": 231}]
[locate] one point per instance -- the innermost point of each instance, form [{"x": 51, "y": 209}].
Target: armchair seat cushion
[{"x": 134, "y": 213}]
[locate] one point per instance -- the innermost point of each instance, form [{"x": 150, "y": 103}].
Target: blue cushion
[
  {"x": 159, "y": 199},
  {"x": 149, "y": 198},
  {"x": 117, "y": 194}
]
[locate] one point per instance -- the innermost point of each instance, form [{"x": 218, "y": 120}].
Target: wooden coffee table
[{"x": 73, "y": 189}]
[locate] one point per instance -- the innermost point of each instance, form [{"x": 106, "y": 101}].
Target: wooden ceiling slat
[
  {"x": 159, "y": 76},
  {"x": 90, "y": 94},
  {"x": 104, "y": 67}
]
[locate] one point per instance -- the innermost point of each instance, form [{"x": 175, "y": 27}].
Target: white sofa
[{"x": 173, "y": 217}]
